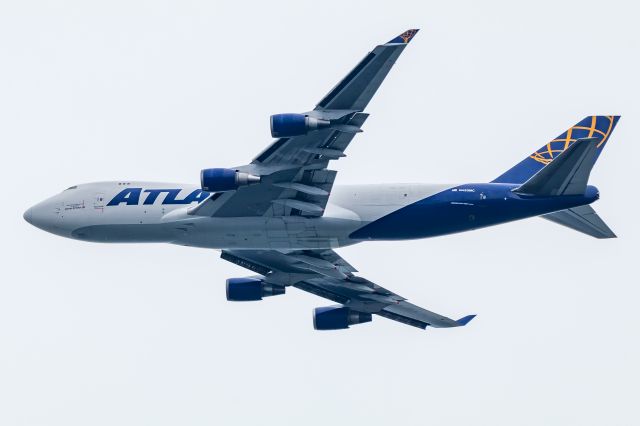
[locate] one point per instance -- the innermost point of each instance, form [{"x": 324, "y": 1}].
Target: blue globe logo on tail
[
  {"x": 600, "y": 126},
  {"x": 594, "y": 126}
]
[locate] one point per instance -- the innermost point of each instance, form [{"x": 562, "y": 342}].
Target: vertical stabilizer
[{"x": 599, "y": 126}]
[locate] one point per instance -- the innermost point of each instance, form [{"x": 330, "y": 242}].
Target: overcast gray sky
[{"x": 142, "y": 334}]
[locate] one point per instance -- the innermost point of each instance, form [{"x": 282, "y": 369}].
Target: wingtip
[
  {"x": 465, "y": 320},
  {"x": 405, "y": 37}
]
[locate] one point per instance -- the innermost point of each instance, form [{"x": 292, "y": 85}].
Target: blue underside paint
[{"x": 464, "y": 208}]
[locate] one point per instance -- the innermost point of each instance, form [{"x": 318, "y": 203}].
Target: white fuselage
[{"x": 159, "y": 215}]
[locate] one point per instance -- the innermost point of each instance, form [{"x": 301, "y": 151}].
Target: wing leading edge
[{"x": 295, "y": 179}]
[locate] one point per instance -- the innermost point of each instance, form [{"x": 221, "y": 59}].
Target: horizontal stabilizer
[
  {"x": 582, "y": 219},
  {"x": 568, "y": 174}
]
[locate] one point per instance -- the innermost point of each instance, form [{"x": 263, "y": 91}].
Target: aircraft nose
[
  {"x": 28, "y": 215},
  {"x": 42, "y": 216}
]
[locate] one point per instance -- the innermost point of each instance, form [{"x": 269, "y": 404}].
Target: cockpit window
[{"x": 71, "y": 187}]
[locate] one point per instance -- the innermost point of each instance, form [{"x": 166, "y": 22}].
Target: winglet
[
  {"x": 465, "y": 320},
  {"x": 405, "y": 37}
]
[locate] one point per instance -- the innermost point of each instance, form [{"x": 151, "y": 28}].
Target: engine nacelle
[
  {"x": 337, "y": 317},
  {"x": 285, "y": 125},
  {"x": 250, "y": 289},
  {"x": 220, "y": 180}
]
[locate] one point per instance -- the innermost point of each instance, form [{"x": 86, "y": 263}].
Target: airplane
[{"x": 281, "y": 217}]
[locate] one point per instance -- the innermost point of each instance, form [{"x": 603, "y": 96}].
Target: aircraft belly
[
  {"x": 349, "y": 209},
  {"x": 124, "y": 233},
  {"x": 282, "y": 233}
]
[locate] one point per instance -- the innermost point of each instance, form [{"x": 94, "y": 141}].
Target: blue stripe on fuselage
[
  {"x": 464, "y": 208},
  {"x": 132, "y": 197}
]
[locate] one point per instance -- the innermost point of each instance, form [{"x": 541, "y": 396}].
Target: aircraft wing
[
  {"x": 295, "y": 179},
  {"x": 324, "y": 273}
]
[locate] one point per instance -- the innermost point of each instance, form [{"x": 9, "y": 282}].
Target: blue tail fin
[{"x": 595, "y": 125}]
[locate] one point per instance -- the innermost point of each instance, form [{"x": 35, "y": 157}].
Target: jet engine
[
  {"x": 337, "y": 317},
  {"x": 285, "y": 125},
  {"x": 219, "y": 180},
  {"x": 250, "y": 289}
]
